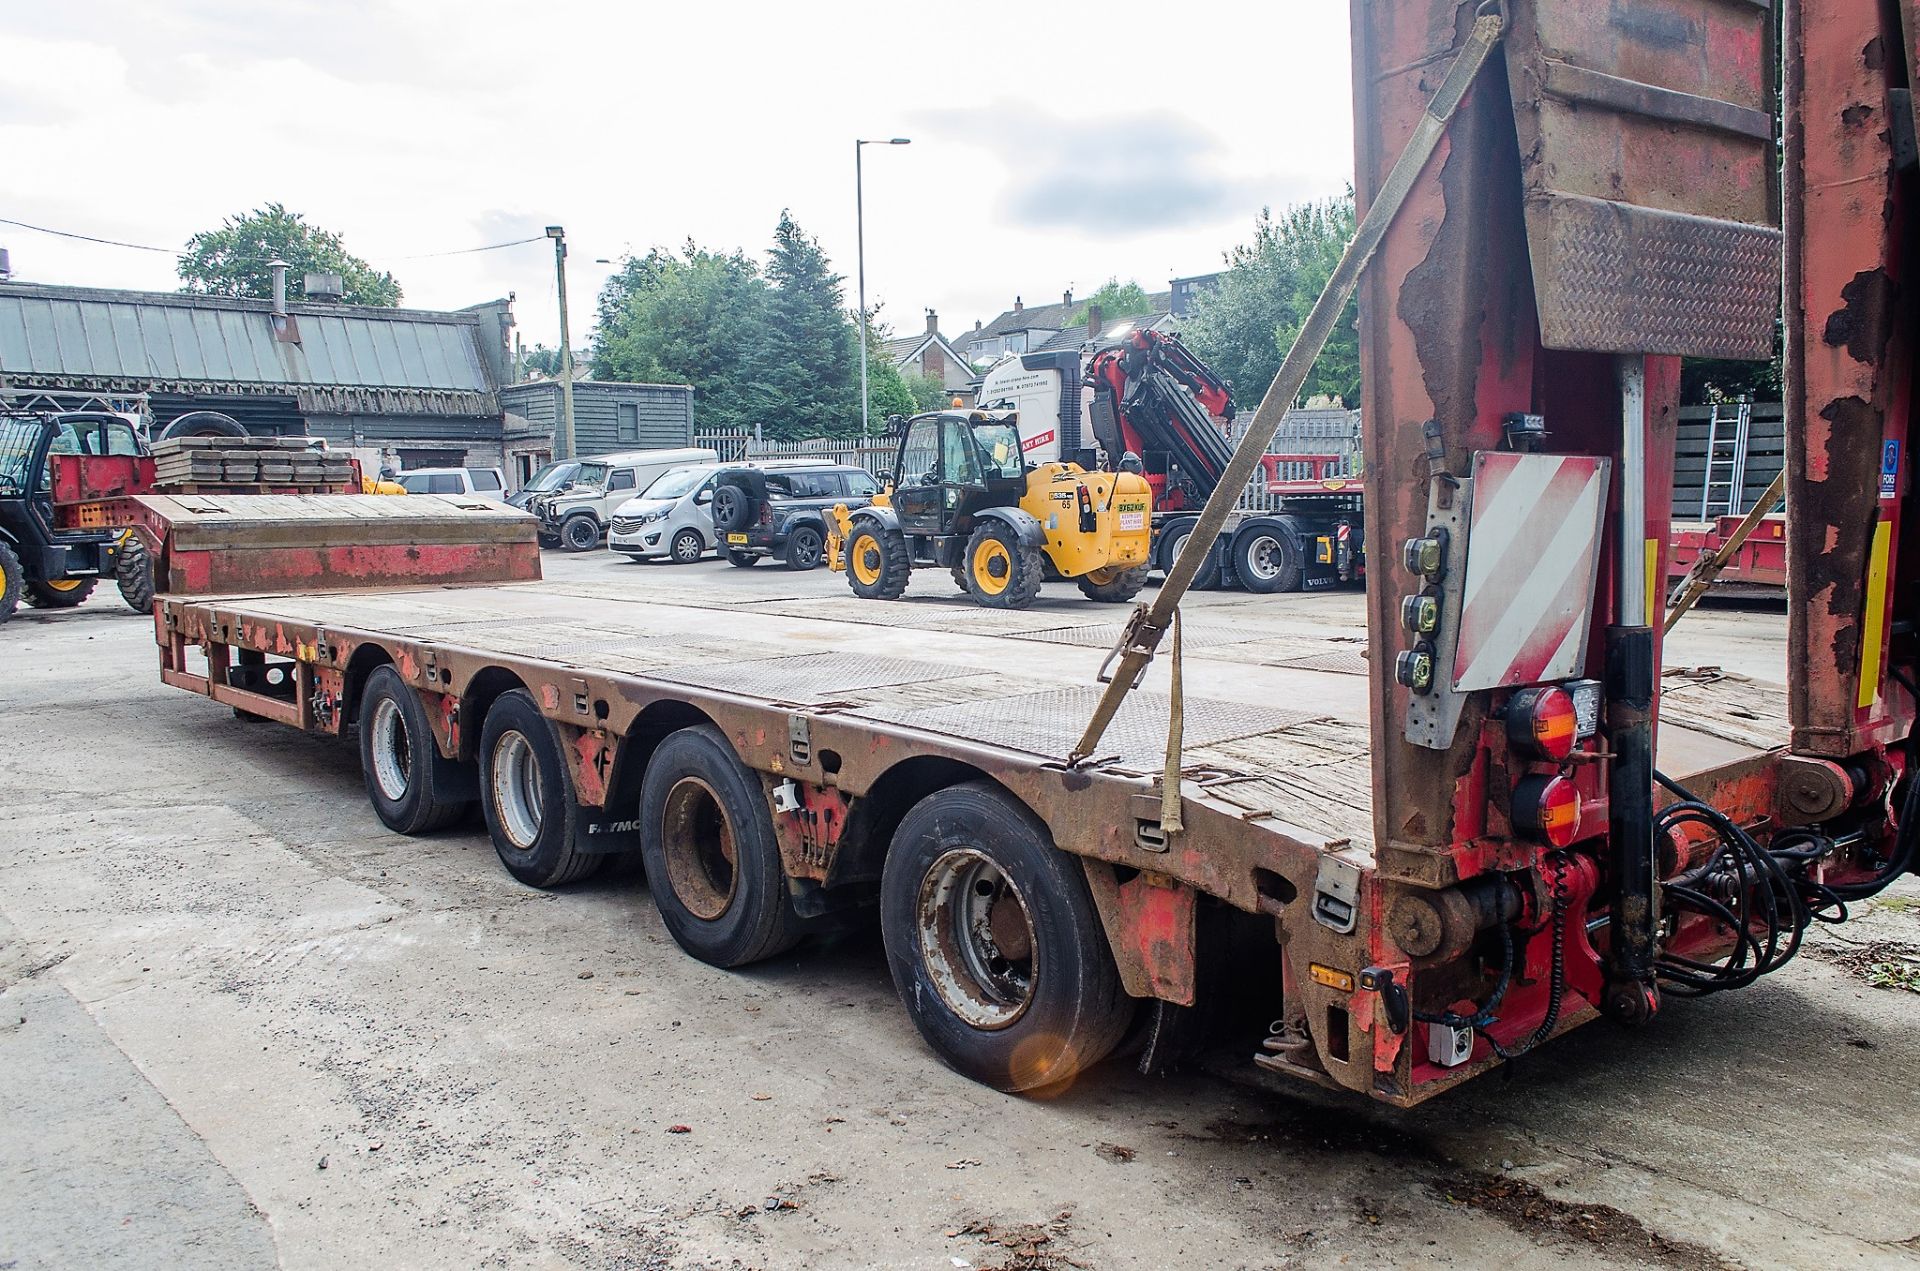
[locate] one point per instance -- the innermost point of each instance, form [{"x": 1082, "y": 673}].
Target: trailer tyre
[
  {"x": 580, "y": 532},
  {"x": 13, "y": 581},
  {"x": 712, "y": 862},
  {"x": 413, "y": 789},
  {"x": 877, "y": 562},
  {"x": 1114, "y": 585},
  {"x": 58, "y": 593},
  {"x": 994, "y": 942},
  {"x": 133, "y": 573},
  {"x": 527, "y": 797},
  {"x": 1002, "y": 571},
  {"x": 1267, "y": 560}
]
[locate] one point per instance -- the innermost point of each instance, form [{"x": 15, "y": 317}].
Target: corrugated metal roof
[{"x": 99, "y": 338}]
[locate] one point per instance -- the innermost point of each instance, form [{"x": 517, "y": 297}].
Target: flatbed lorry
[{"x": 1496, "y": 824}]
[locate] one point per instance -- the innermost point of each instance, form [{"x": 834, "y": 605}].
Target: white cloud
[{"x": 1053, "y": 145}]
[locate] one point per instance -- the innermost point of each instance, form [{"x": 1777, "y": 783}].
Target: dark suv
[{"x": 781, "y": 509}]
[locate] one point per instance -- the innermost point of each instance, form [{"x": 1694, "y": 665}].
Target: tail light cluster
[{"x": 1544, "y": 724}]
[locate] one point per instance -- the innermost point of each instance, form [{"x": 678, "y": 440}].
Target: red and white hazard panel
[{"x": 1532, "y": 552}]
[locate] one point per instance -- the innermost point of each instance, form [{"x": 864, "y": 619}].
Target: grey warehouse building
[{"x": 607, "y": 416}]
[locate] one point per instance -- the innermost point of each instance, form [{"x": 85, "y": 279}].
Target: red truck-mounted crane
[
  {"x": 1154, "y": 399},
  {"x": 1498, "y": 832}
]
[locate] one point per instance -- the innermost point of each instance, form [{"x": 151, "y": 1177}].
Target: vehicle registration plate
[{"x": 736, "y": 538}]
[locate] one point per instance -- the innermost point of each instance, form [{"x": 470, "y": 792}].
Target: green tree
[
  {"x": 1245, "y": 324},
  {"x": 542, "y": 361},
  {"x": 232, "y": 260},
  {"x": 696, "y": 318},
  {"x": 887, "y": 390},
  {"x": 810, "y": 358},
  {"x": 1116, "y": 300},
  {"x": 929, "y": 393}
]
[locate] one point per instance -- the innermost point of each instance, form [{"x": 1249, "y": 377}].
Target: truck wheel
[
  {"x": 877, "y": 562},
  {"x": 1176, "y": 540},
  {"x": 686, "y": 547},
  {"x": 1002, "y": 572},
  {"x": 409, "y": 784},
  {"x": 994, "y": 942},
  {"x": 1113, "y": 585},
  {"x": 580, "y": 533},
  {"x": 712, "y": 862},
  {"x": 805, "y": 547},
  {"x": 526, "y": 795},
  {"x": 58, "y": 593},
  {"x": 13, "y": 581},
  {"x": 1266, "y": 560},
  {"x": 133, "y": 572}
]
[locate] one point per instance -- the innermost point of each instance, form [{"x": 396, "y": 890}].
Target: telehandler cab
[{"x": 962, "y": 497}]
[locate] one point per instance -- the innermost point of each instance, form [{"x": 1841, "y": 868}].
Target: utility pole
[
  {"x": 860, "y": 251},
  {"x": 563, "y": 435}
]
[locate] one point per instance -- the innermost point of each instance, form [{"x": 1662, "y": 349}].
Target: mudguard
[
  {"x": 886, "y": 516},
  {"x": 1030, "y": 531}
]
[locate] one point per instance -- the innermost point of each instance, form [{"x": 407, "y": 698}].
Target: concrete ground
[{"x": 243, "y": 1026}]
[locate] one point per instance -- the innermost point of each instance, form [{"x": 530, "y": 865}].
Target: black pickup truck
[{"x": 780, "y": 509}]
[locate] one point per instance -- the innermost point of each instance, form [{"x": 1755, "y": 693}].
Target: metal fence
[{"x": 738, "y": 446}]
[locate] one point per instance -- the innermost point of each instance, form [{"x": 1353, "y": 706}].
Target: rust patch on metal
[{"x": 1861, "y": 324}]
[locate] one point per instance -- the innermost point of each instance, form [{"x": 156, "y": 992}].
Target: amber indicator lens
[
  {"x": 1547, "y": 809},
  {"x": 1542, "y": 722},
  {"x": 1332, "y": 977}
]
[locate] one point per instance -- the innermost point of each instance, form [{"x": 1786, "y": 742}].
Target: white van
[
  {"x": 482, "y": 483},
  {"x": 671, "y": 519},
  {"x": 576, "y": 515}
]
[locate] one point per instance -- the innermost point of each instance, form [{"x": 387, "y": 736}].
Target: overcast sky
[{"x": 1053, "y": 145}]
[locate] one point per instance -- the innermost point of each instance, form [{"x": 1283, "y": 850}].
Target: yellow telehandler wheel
[
  {"x": 1114, "y": 585},
  {"x": 1002, "y": 572},
  {"x": 877, "y": 562}
]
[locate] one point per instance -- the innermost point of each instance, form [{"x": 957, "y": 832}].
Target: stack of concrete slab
[{"x": 277, "y": 462}]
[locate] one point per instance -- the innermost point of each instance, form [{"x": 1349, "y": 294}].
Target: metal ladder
[{"x": 1726, "y": 470}]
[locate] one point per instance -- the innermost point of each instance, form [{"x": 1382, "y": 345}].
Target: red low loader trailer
[{"x": 1493, "y": 828}]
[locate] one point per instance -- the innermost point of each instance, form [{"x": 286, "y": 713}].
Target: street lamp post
[{"x": 860, "y": 239}]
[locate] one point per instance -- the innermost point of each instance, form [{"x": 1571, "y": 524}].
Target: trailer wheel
[
  {"x": 994, "y": 942},
  {"x": 877, "y": 562},
  {"x": 1209, "y": 574},
  {"x": 580, "y": 532},
  {"x": 12, "y": 581},
  {"x": 1115, "y": 585},
  {"x": 1266, "y": 559},
  {"x": 133, "y": 573},
  {"x": 711, "y": 859},
  {"x": 58, "y": 593},
  {"x": 1002, "y": 572},
  {"x": 526, "y": 795},
  {"x": 408, "y": 782}
]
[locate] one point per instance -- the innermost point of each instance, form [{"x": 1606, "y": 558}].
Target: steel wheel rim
[
  {"x": 1263, "y": 557},
  {"x": 865, "y": 560},
  {"x": 686, "y": 548},
  {"x": 392, "y": 754},
  {"x": 517, "y": 790},
  {"x": 703, "y": 857},
  {"x": 989, "y": 553},
  {"x": 977, "y": 939}
]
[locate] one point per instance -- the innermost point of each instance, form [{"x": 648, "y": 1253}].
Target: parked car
[
  {"x": 551, "y": 477},
  {"x": 781, "y": 509},
  {"x": 482, "y": 483},
  {"x": 670, "y": 519},
  {"x": 576, "y": 515}
]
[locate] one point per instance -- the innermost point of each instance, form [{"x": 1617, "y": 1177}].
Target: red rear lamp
[
  {"x": 1547, "y": 809},
  {"x": 1542, "y": 722}
]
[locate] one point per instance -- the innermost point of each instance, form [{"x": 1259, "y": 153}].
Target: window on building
[{"x": 629, "y": 415}]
